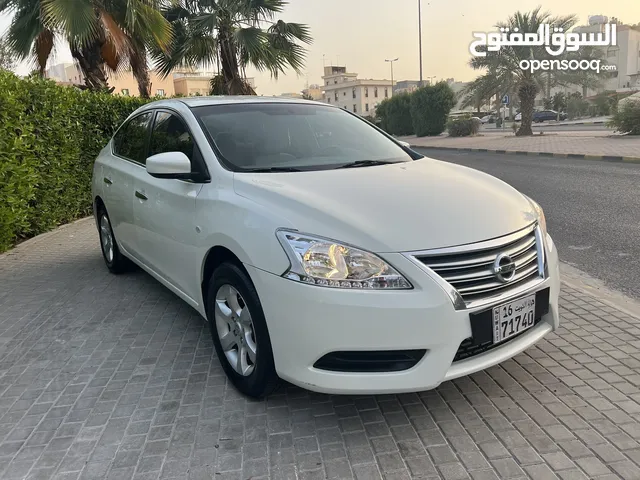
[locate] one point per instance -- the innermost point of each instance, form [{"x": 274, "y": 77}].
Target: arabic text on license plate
[{"x": 514, "y": 317}]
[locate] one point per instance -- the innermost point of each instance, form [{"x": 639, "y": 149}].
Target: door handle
[
  {"x": 108, "y": 181},
  {"x": 141, "y": 195}
]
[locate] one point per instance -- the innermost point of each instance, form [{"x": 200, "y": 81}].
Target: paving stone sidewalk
[
  {"x": 557, "y": 144},
  {"x": 106, "y": 376}
]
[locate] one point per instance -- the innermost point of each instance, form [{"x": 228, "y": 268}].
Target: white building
[
  {"x": 625, "y": 55},
  {"x": 346, "y": 90}
]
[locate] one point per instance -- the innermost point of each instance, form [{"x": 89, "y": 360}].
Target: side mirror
[
  {"x": 169, "y": 165},
  {"x": 404, "y": 144}
]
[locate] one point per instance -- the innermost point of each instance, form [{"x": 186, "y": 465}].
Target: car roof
[{"x": 226, "y": 100}]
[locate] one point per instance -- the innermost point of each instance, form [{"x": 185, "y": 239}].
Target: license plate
[{"x": 512, "y": 318}]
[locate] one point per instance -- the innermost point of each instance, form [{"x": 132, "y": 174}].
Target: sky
[{"x": 361, "y": 34}]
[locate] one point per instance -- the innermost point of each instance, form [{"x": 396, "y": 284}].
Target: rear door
[
  {"x": 164, "y": 209},
  {"x": 120, "y": 166}
]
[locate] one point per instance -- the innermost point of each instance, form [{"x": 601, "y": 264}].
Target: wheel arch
[
  {"x": 98, "y": 204},
  {"x": 216, "y": 256}
]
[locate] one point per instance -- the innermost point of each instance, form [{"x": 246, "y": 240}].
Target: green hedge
[
  {"x": 463, "y": 127},
  {"x": 49, "y": 139},
  {"x": 626, "y": 119},
  {"x": 430, "y": 107},
  {"x": 421, "y": 112},
  {"x": 395, "y": 114}
]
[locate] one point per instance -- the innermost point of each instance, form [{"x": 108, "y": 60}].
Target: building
[
  {"x": 289, "y": 95},
  {"x": 346, "y": 90},
  {"x": 192, "y": 83},
  {"x": 406, "y": 86},
  {"x": 625, "y": 55},
  {"x": 195, "y": 82},
  {"x": 187, "y": 83},
  {"x": 314, "y": 91},
  {"x": 125, "y": 83}
]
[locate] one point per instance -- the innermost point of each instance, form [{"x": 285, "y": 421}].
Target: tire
[
  {"x": 113, "y": 258},
  {"x": 244, "y": 335}
]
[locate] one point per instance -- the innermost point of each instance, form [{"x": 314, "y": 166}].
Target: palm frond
[
  {"x": 78, "y": 18},
  {"x": 42, "y": 48}
]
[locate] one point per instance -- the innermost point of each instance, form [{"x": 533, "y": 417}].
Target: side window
[
  {"x": 131, "y": 140},
  {"x": 170, "y": 134}
]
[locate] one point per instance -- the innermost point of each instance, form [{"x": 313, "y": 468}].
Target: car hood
[{"x": 416, "y": 205}]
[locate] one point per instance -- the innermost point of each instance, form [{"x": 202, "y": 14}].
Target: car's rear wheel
[
  {"x": 239, "y": 332},
  {"x": 113, "y": 258}
]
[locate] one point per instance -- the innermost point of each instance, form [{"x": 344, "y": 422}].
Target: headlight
[
  {"x": 324, "y": 262},
  {"x": 542, "y": 221}
]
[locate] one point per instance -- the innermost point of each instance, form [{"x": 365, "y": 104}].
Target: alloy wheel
[
  {"x": 235, "y": 330},
  {"x": 106, "y": 238}
]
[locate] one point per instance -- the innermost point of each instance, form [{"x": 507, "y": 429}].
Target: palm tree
[
  {"x": 503, "y": 67},
  {"x": 101, "y": 34},
  {"x": 231, "y": 35},
  {"x": 28, "y": 36},
  {"x": 478, "y": 93}
]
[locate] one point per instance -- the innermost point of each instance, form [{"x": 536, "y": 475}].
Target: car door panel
[
  {"x": 164, "y": 210},
  {"x": 164, "y": 216},
  {"x": 121, "y": 163},
  {"x": 118, "y": 190}
]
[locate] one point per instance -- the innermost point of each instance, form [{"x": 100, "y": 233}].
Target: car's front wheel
[{"x": 239, "y": 331}]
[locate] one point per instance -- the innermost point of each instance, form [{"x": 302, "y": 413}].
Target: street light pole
[
  {"x": 391, "y": 61},
  {"x": 420, "y": 36}
]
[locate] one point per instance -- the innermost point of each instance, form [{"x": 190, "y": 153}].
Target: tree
[
  {"x": 394, "y": 114},
  {"x": 306, "y": 96},
  {"x": 7, "y": 60},
  {"x": 231, "y": 35},
  {"x": 101, "y": 34},
  {"x": 477, "y": 93},
  {"x": 559, "y": 102},
  {"x": 430, "y": 107},
  {"x": 503, "y": 71}
]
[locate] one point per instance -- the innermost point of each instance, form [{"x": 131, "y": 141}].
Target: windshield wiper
[
  {"x": 271, "y": 169},
  {"x": 365, "y": 163}
]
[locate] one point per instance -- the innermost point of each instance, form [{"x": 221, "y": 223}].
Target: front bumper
[{"x": 306, "y": 322}]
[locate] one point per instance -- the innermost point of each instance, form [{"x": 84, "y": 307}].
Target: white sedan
[{"x": 321, "y": 250}]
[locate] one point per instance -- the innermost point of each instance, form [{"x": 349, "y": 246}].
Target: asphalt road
[{"x": 592, "y": 208}]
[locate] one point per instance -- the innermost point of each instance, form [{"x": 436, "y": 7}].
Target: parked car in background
[
  {"x": 321, "y": 250},
  {"x": 544, "y": 115},
  {"x": 488, "y": 119}
]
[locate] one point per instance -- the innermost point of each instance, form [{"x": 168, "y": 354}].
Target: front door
[
  {"x": 164, "y": 209},
  {"x": 120, "y": 167}
]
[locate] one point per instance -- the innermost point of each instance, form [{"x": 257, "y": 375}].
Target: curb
[
  {"x": 585, "y": 156},
  {"x": 572, "y": 124}
]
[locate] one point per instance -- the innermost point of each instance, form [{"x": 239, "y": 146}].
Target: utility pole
[
  {"x": 391, "y": 62},
  {"x": 420, "y": 36}
]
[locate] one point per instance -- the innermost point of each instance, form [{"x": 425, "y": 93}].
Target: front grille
[{"x": 470, "y": 271}]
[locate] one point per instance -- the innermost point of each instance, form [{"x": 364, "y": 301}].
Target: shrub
[
  {"x": 50, "y": 138},
  {"x": 430, "y": 107},
  {"x": 463, "y": 127},
  {"x": 577, "y": 107},
  {"x": 394, "y": 114},
  {"x": 626, "y": 118}
]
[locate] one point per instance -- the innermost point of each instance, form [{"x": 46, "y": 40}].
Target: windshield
[{"x": 280, "y": 136}]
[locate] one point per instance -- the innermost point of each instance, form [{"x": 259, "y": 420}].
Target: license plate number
[{"x": 514, "y": 317}]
